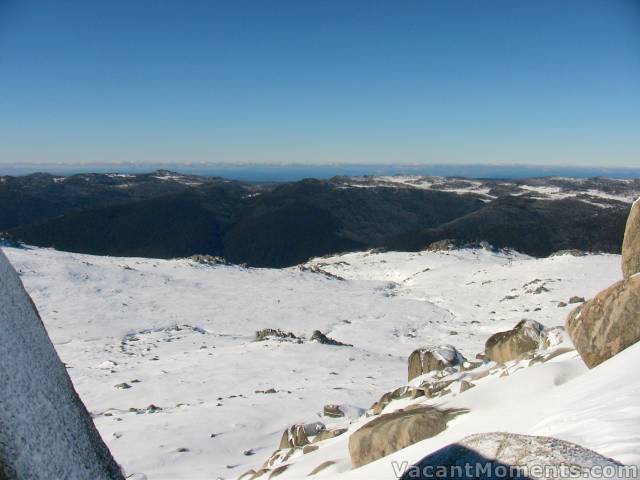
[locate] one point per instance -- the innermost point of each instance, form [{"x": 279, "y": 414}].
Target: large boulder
[
  {"x": 46, "y": 431},
  {"x": 527, "y": 336},
  {"x": 631, "y": 243},
  {"x": 608, "y": 323},
  {"x": 424, "y": 360},
  {"x": 489, "y": 456},
  {"x": 391, "y": 432}
]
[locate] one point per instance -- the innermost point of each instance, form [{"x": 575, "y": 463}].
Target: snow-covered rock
[
  {"x": 492, "y": 456},
  {"x": 46, "y": 432},
  {"x": 425, "y": 360},
  {"x": 527, "y": 336}
]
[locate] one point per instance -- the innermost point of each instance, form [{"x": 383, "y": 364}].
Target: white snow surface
[{"x": 180, "y": 336}]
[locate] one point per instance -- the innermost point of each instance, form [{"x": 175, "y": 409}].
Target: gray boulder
[
  {"x": 493, "y": 456},
  {"x": 424, "y": 360},
  {"x": 608, "y": 323},
  {"x": 46, "y": 431},
  {"x": 631, "y": 243},
  {"x": 391, "y": 432},
  {"x": 525, "y": 337}
]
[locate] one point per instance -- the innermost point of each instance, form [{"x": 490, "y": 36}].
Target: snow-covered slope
[{"x": 163, "y": 352}]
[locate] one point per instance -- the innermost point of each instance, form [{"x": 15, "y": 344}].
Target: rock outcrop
[
  {"x": 519, "y": 456},
  {"x": 318, "y": 336},
  {"x": 391, "y": 432},
  {"x": 298, "y": 435},
  {"x": 608, "y": 323},
  {"x": 631, "y": 243},
  {"x": 46, "y": 431},
  {"x": 525, "y": 337},
  {"x": 424, "y": 360}
]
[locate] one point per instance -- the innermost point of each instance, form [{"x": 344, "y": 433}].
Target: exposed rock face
[
  {"x": 608, "y": 323},
  {"x": 525, "y": 337},
  {"x": 631, "y": 243},
  {"x": 46, "y": 431},
  {"x": 425, "y": 360},
  {"x": 391, "y": 432},
  {"x": 497, "y": 451}
]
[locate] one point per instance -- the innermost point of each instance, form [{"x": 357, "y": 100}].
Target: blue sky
[{"x": 536, "y": 82}]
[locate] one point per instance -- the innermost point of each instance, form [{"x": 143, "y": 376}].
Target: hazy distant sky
[{"x": 539, "y": 82}]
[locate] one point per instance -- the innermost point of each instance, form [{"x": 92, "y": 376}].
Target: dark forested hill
[{"x": 165, "y": 214}]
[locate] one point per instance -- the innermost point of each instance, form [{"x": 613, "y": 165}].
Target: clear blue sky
[{"x": 539, "y": 82}]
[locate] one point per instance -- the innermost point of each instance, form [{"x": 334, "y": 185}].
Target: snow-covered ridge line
[{"x": 551, "y": 188}]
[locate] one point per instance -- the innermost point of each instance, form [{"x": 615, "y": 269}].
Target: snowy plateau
[{"x": 164, "y": 355}]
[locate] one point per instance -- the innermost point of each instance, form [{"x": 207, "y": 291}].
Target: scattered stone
[
  {"x": 332, "y": 411},
  {"x": 183, "y": 449},
  {"x": 269, "y": 391},
  {"x": 122, "y": 386},
  {"x": 570, "y": 251},
  {"x": 562, "y": 304},
  {"x": 318, "y": 336},
  {"x": 271, "y": 333},
  {"x": 442, "y": 245},
  {"x": 208, "y": 260},
  {"x": 509, "y": 297},
  {"x": 540, "y": 289},
  {"x": 248, "y": 453},
  {"x": 575, "y": 299}
]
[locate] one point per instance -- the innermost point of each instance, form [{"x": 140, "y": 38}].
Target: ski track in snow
[{"x": 180, "y": 335}]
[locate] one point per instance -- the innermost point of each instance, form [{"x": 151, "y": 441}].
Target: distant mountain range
[{"x": 165, "y": 214}]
